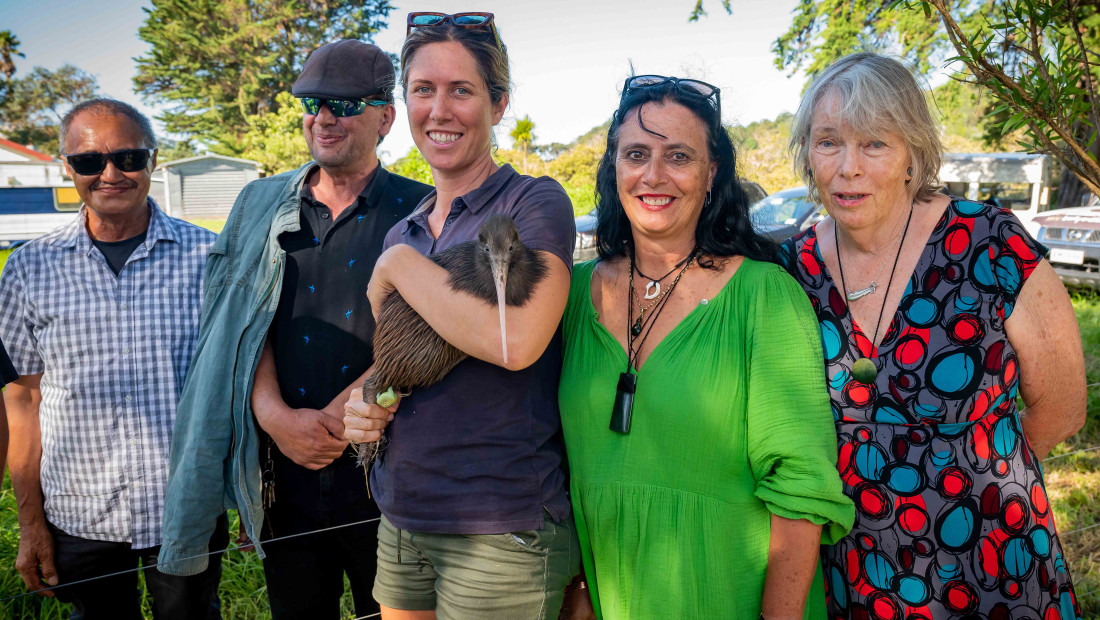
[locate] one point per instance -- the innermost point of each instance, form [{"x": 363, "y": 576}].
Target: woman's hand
[
  {"x": 381, "y": 285},
  {"x": 365, "y": 422}
]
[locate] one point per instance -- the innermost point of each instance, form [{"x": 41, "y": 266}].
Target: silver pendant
[
  {"x": 652, "y": 290},
  {"x": 863, "y": 292}
]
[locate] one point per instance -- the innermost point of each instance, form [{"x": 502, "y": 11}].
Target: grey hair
[
  {"x": 878, "y": 95},
  {"x": 108, "y": 107}
]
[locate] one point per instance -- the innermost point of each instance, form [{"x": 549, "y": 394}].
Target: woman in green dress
[{"x": 696, "y": 417}]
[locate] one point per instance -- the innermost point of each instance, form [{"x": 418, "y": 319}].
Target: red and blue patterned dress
[{"x": 952, "y": 516}]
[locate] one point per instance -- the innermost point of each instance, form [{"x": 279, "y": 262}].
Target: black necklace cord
[
  {"x": 632, "y": 355},
  {"x": 905, "y": 232},
  {"x": 674, "y": 267}
]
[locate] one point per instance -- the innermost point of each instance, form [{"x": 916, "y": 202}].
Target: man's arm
[
  {"x": 3, "y": 438},
  {"x": 35, "y": 559},
  {"x": 311, "y": 438}
]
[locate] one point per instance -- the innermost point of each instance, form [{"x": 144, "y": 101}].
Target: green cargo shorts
[{"x": 514, "y": 576}]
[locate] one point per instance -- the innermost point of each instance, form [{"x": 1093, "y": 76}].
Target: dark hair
[
  {"x": 723, "y": 229},
  {"x": 492, "y": 61},
  {"x": 108, "y": 107}
]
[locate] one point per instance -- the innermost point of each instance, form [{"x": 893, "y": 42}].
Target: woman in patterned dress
[{"x": 935, "y": 314}]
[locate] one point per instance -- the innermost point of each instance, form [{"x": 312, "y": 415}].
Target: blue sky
[{"x": 569, "y": 57}]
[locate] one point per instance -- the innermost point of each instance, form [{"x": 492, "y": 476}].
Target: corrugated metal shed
[{"x": 205, "y": 186}]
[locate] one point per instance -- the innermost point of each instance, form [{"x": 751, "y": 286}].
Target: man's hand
[
  {"x": 35, "y": 559},
  {"x": 364, "y": 423},
  {"x": 309, "y": 437}
]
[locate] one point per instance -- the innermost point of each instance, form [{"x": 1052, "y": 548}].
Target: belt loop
[{"x": 398, "y": 545}]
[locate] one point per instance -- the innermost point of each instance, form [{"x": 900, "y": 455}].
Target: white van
[{"x": 1019, "y": 181}]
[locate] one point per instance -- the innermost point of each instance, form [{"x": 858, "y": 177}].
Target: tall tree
[
  {"x": 9, "y": 47},
  {"x": 214, "y": 63},
  {"x": 275, "y": 137},
  {"x": 523, "y": 136},
  {"x": 1037, "y": 59},
  {"x": 33, "y": 106}
]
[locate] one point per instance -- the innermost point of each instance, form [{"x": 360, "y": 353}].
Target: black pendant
[
  {"x": 623, "y": 408},
  {"x": 864, "y": 371},
  {"x": 636, "y": 328}
]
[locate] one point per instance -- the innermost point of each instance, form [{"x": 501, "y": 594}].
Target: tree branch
[{"x": 980, "y": 66}]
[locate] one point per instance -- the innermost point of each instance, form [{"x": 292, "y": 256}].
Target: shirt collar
[
  {"x": 75, "y": 233},
  {"x": 474, "y": 200},
  {"x": 370, "y": 194}
]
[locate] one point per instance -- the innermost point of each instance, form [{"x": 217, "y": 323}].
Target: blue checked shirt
[{"x": 113, "y": 352}]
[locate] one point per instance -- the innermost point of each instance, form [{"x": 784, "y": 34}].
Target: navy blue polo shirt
[
  {"x": 481, "y": 451},
  {"x": 323, "y": 328}
]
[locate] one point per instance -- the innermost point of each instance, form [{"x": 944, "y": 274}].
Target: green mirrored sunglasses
[{"x": 340, "y": 108}]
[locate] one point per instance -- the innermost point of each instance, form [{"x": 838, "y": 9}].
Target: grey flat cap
[{"x": 346, "y": 69}]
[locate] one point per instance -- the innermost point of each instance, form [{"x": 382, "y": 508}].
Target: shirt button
[
  {"x": 126, "y": 350},
  {"x": 124, "y": 305},
  {"x": 324, "y": 215},
  {"x": 133, "y": 442},
  {"x": 137, "y": 485},
  {"x": 129, "y": 398}
]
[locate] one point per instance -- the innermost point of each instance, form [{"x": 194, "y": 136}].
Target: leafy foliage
[
  {"x": 1036, "y": 59},
  {"x": 9, "y": 47},
  {"x": 699, "y": 11},
  {"x": 31, "y": 110},
  {"x": 274, "y": 138},
  {"x": 762, "y": 153},
  {"x": 523, "y": 137},
  {"x": 825, "y": 30},
  {"x": 215, "y": 63},
  {"x": 413, "y": 166}
]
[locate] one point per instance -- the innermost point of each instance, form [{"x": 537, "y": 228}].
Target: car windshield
[{"x": 778, "y": 209}]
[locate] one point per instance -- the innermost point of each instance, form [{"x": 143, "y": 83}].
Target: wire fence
[{"x": 244, "y": 548}]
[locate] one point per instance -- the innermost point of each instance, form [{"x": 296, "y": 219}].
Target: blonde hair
[
  {"x": 878, "y": 94},
  {"x": 491, "y": 58}
]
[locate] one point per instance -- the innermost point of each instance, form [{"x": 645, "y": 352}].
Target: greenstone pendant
[{"x": 864, "y": 371}]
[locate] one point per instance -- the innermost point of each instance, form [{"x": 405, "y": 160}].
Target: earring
[{"x": 706, "y": 201}]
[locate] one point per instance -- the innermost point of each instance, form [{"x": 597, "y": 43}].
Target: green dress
[{"x": 731, "y": 423}]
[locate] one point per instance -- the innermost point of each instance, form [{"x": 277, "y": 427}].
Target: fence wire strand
[{"x": 194, "y": 557}]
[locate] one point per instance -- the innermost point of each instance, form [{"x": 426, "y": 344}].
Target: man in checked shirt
[{"x": 100, "y": 318}]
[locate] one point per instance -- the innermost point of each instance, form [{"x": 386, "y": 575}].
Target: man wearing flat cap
[{"x": 285, "y": 336}]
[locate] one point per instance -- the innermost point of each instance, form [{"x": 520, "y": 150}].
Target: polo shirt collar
[
  {"x": 370, "y": 194},
  {"x": 75, "y": 233},
  {"x": 474, "y": 200}
]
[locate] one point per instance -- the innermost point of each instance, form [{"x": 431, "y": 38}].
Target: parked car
[
  {"x": 1073, "y": 236},
  {"x": 784, "y": 214},
  {"x": 585, "y": 246}
]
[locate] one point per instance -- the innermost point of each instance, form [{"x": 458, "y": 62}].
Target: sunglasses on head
[
  {"x": 126, "y": 160},
  {"x": 481, "y": 21},
  {"x": 694, "y": 88},
  {"x": 340, "y": 108}
]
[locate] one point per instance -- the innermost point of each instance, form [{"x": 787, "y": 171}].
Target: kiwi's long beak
[{"x": 500, "y": 279}]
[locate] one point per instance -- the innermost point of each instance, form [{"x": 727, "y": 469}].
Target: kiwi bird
[{"x": 409, "y": 354}]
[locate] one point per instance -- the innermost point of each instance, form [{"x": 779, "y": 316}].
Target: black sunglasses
[
  {"x": 340, "y": 108},
  {"x": 126, "y": 160},
  {"x": 694, "y": 88},
  {"x": 422, "y": 19}
]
